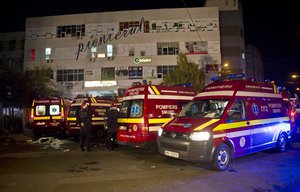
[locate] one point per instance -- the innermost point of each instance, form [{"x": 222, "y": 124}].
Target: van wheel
[
  {"x": 282, "y": 143},
  {"x": 100, "y": 133},
  {"x": 222, "y": 157}
]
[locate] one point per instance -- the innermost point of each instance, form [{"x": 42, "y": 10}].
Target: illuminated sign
[
  {"x": 100, "y": 83},
  {"x": 138, "y": 60}
]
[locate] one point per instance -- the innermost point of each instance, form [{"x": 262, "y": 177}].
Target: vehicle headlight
[
  {"x": 160, "y": 130},
  {"x": 200, "y": 136}
]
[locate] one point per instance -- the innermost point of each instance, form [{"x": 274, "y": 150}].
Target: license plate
[{"x": 172, "y": 154}]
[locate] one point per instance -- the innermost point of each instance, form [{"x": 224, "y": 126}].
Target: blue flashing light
[
  {"x": 230, "y": 76},
  {"x": 184, "y": 85},
  {"x": 214, "y": 78}
]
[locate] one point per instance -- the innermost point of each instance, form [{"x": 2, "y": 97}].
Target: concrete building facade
[
  {"x": 104, "y": 53},
  {"x": 255, "y": 67},
  {"x": 232, "y": 35},
  {"x": 12, "y": 50}
]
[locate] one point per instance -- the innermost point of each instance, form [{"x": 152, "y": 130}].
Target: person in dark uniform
[
  {"x": 85, "y": 121},
  {"x": 111, "y": 136}
]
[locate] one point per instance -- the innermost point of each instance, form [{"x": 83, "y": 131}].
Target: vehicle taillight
[{"x": 292, "y": 114}]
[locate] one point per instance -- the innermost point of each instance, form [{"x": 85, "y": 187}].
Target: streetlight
[
  {"x": 295, "y": 82},
  {"x": 225, "y": 69},
  {"x": 295, "y": 76}
]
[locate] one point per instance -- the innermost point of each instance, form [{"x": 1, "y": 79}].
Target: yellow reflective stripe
[
  {"x": 56, "y": 117},
  {"x": 225, "y": 126},
  {"x": 159, "y": 120},
  {"x": 33, "y": 103},
  {"x": 62, "y": 110},
  {"x": 167, "y": 122},
  {"x": 94, "y": 100},
  {"x": 239, "y": 124},
  {"x": 42, "y": 118},
  {"x": 32, "y": 111},
  {"x": 130, "y": 120},
  {"x": 61, "y": 102},
  {"x": 155, "y": 90},
  {"x": 206, "y": 124},
  {"x": 271, "y": 120},
  {"x": 98, "y": 123},
  {"x": 97, "y": 118},
  {"x": 71, "y": 118}
]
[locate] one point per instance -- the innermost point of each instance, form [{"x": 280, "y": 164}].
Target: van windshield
[
  {"x": 131, "y": 108},
  {"x": 209, "y": 108}
]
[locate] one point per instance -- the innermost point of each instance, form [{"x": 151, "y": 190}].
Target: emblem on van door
[
  {"x": 242, "y": 141},
  {"x": 187, "y": 125},
  {"x": 255, "y": 109}
]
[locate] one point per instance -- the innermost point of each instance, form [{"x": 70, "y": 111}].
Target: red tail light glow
[{"x": 292, "y": 114}]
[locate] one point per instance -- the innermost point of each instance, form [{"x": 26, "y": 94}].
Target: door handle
[{"x": 248, "y": 122}]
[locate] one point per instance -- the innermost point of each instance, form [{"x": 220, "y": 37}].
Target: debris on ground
[{"x": 48, "y": 142}]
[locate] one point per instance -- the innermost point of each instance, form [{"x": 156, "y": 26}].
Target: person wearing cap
[
  {"x": 111, "y": 136},
  {"x": 85, "y": 121}
]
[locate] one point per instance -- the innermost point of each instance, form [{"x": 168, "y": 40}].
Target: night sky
[{"x": 272, "y": 26}]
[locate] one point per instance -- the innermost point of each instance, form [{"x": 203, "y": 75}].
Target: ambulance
[
  {"x": 145, "y": 108},
  {"x": 48, "y": 116},
  {"x": 99, "y": 108},
  {"x": 229, "y": 118},
  {"x": 292, "y": 102}
]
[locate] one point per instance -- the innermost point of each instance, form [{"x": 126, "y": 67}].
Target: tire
[
  {"x": 222, "y": 157},
  {"x": 100, "y": 134},
  {"x": 282, "y": 143}
]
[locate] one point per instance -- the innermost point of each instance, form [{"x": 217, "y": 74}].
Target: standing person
[
  {"x": 85, "y": 120},
  {"x": 112, "y": 118}
]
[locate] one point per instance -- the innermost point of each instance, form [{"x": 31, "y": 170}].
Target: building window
[
  {"x": 136, "y": 24},
  {"x": 70, "y": 31},
  {"x": 12, "y": 62},
  {"x": 32, "y": 55},
  {"x": 48, "y": 55},
  {"x": 135, "y": 72},
  {"x": 12, "y": 45},
  {"x": 131, "y": 51},
  {"x": 168, "y": 48},
  {"x": 211, "y": 68},
  {"x": 108, "y": 73},
  {"x": 109, "y": 48},
  {"x": 70, "y": 75},
  {"x": 164, "y": 70}
]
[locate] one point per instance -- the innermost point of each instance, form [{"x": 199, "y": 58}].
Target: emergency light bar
[
  {"x": 227, "y": 77},
  {"x": 184, "y": 85}
]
